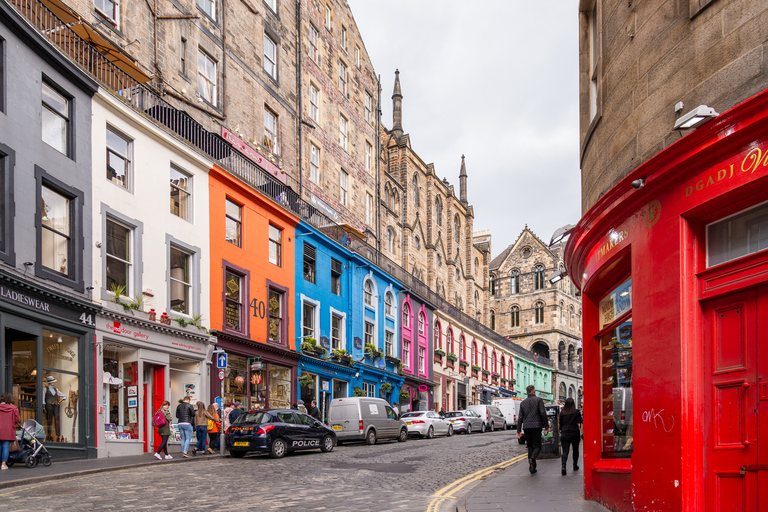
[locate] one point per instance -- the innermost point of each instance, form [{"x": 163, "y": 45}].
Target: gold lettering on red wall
[{"x": 755, "y": 160}]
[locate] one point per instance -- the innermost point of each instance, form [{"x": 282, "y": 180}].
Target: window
[
  {"x": 388, "y": 305},
  {"x": 415, "y": 190},
  {"x": 474, "y": 353},
  {"x": 234, "y": 219},
  {"x": 314, "y": 103},
  {"x": 7, "y": 159},
  {"x": 615, "y": 315},
  {"x": 369, "y": 209},
  {"x": 738, "y": 235},
  {"x": 181, "y": 193},
  {"x": 343, "y": 132},
  {"x": 56, "y": 243},
  {"x": 206, "y": 78},
  {"x": 119, "y": 262},
  {"x": 368, "y": 293},
  {"x": 514, "y": 282},
  {"x": 422, "y": 360},
  {"x": 308, "y": 320},
  {"x": 335, "y": 277},
  {"x": 309, "y": 263},
  {"x": 272, "y": 4},
  {"x": 369, "y": 389},
  {"x": 421, "y": 323},
  {"x": 485, "y": 358},
  {"x": 181, "y": 281},
  {"x": 109, "y": 9},
  {"x": 234, "y": 300},
  {"x": 183, "y": 56},
  {"x": 417, "y": 243},
  {"x": 343, "y": 178},
  {"x": 342, "y": 77},
  {"x": 344, "y": 38},
  {"x": 275, "y": 245},
  {"x": 494, "y": 368},
  {"x": 55, "y": 117},
  {"x": 448, "y": 339},
  {"x": 438, "y": 211},
  {"x": 313, "y": 43},
  {"x": 275, "y": 324},
  {"x": 493, "y": 320},
  {"x": 368, "y": 157},
  {"x": 406, "y": 315},
  {"x": 118, "y": 158},
  {"x": 539, "y": 312},
  {"x": 270, "y": 56},
  {"x": 368, "y": 108},
  {"x": 357, "y": 56},
  {"x": 337, "y": 326},
  {"x": 369, "y": 334},
  {"x": 328, "y": 16},
  {"x": 538, "y": 277},
  {"x": 208, "y": 7},
  {"x": 389, "y": 341},
  {"x": 390, "y": 240},
  {"x": 270, "y": 131},
  {"x": 439, "y": 260},
  {"x": 514, "y": 313},
  {"x": 314, "y": 163},
  {"x": 462, "y": 348},
  {"x": 456, "y": 227}
]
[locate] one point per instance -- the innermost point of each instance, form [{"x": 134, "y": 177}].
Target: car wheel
[
  {"x": 504, "y": 426},
  {"x": 430, "y": 433},
  {"x": 469, "y": 428},
  {"x": 482, "y": 428},
  {"x": 237, "y": 455},
  {"x": 327, "y": 445},
  {"x": 371, "y": 437},
  {"x": 278, "y": 448},
  {"x": 450, "y": 430},
  {"x": 403, "y": 437},
  {"x": 492, "y": 427}
]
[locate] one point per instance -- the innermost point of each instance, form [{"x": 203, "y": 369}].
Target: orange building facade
[{"x": 252, "y": 276}]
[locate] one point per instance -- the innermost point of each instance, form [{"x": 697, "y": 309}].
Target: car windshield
[
  {"x": 454, "y": 414},
  {"x": 253, "y": 417},
  {"x": 412, "y": 414}
]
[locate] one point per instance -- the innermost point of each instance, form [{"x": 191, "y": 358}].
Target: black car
[{"x": 277, "y": 431}]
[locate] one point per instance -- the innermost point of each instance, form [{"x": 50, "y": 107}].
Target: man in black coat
[
  {"x": 314, "y": 411},
  {"x": 533, "y": 419}
]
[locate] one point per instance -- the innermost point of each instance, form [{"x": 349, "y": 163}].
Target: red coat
[{"x": 9, "y": 417}]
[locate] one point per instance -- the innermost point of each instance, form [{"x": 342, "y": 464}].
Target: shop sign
[
  {"x": 358, "y": 343},
  {"x": 325, "y": 342},
  {"x": 33, "y": 302},
  {"x": 616, "y": 303},
  {"x": 323, "y": 206},
  {"x": 422, "y": 388},
  {"x": 252, "y": 154}
]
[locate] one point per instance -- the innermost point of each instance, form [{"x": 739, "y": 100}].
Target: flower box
[{"x": 439, "y": 352}]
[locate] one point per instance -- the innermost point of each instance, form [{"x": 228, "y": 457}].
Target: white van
[
  {"x": 511, "y": 408},
  {"x": 364, "y": 418}
]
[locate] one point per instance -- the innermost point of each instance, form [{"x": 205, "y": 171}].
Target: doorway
[
  {"x": 22, "y": 358},
  {"x": 154, "y": 396}
]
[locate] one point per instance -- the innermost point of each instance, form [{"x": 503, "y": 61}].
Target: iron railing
[{"x": 148, "y": 102}]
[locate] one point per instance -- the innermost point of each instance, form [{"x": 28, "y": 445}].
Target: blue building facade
[{"x": 341, "y": 303}]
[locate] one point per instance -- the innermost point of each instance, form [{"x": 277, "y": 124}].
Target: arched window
[
  {"x": 538, "y": 277},
  {"x": 439, "y": 260},
  {"x": 514, "y": 282},
  {"x": 493, "y": 320},
  {"x": 461, "y": 304},
  {"x": 570, "y": 317},
  {"x": 386, "y": 195},
  {"x": 417, "y": 243},
  {"x": 474, "y": 353},
  {"x": 391, "y": 240},
  {"x": 493, "y": 285},
  {"x": 571, "y": 357},
  {"x": 539, "y": 312},
  {"x": 438, "y": 211},
  {"x": 438, "y": 338},
  {"x": 503, "y": 368},
  {"x": 416, "y": 190},
  {"x": 571, "y": 391},
  {"x": 515, "y": 314},
  {"x": 494, "y": 368},
  {"x": 458, "y": 276},
  {"x": 422, "y": 325},
  {"x": 448, "y": 341},
  {"x": 368, "y": 292},
  {"x": 561, "y": 392},
  {"x": 462, "y": 351},
  {"x": 485, "y": 358},
  {"x": 477, "y": 301},
  {"x": 456, "y": 301},
  {"x": 406, "y": 315},
  {"x": 511, "y": 373},
  {"x": 562, "y": 313},
  {"x": 477, "y": 265},
  {"x": 388, "y": 304},
  {"x": 456, "y": 227}
]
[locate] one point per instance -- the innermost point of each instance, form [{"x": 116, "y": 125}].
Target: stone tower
[
  {"x": 397, "y": 107},
  {"x": 463, "y": 182}
]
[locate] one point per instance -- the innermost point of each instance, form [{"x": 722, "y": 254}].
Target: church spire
[
  {"x": 397, "y": 106},
  {"x": 463, "y": 181}
]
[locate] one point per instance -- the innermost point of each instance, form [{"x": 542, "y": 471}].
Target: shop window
[
  {"x": 119, "y": 260},
  {"x": 120, "y": 398},
  {"x": 118, "y": 158},
  {"x": 56, "y": 110},
  {"x": 615, "y": 339},
  {"x": 181, "y": 281},
  {"x": 337, "y": 332},
  {"x": 335, "y": 277},
  {"x": 235, "y": 387},
  {"x": 235, "y": 301},
  {"x": 308, "y": 389},
  {"x": 339, "y": 389},
  {"x": 258, "y": 386},
  {"x": 389, "y": 342},
  {"x": 276, "y": 328},
  {"x": 275, "y": 245},
  {"x": 279, "y": 386},
  {"x": 234, "y": 223},
  {"x": 181, "y": 194},
  {"x": 737, "y": 236}
]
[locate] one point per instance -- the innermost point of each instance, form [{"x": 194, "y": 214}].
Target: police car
[{"x": 277, "y": 431}]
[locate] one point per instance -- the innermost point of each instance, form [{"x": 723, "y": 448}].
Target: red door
[
  {"x": 158, "y": 397},
  {"x": 735, "y": 398}
]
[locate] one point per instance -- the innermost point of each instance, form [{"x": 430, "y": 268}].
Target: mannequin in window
[{"x": 52, "y": 399}]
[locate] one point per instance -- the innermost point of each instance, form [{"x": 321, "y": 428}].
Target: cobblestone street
[{"x": 387, "y": 476}]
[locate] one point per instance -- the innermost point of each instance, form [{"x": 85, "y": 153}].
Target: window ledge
[{"x": 613, "y": 466}]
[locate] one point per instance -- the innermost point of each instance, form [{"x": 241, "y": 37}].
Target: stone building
[{"x": 542, "y": 317}]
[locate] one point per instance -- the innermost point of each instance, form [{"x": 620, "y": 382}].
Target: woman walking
[
  {"x": 201, "y": 427},
  {"x": 9, "y": 418},
  {"x": 214, "y": 427},
  {"x": 570, "y": 432},
  {"x": 164, "y": 430}
]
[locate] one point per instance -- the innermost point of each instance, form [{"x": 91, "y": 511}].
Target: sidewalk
[
  {"x": 19, "y": 474},
  {"x": 515, "y": 489}
]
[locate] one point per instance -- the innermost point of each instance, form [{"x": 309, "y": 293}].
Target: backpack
[{"x": 159, "y": 418}]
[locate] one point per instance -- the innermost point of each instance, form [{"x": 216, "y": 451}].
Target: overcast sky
[{"x": 497, "y": 83}]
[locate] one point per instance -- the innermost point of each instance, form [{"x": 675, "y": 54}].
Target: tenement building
[
  {"x": 670, "y": 253},
  {"x": 542, "y": 317}
]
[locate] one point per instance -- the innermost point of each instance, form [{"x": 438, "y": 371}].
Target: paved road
[{"x": 387, "y": 476}]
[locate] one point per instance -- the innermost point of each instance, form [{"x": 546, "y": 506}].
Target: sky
[{"x": 497, "y": 83}]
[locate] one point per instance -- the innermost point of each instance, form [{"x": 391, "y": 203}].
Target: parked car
[
  {"x": 427, "y": 424},
  {"x": 465, "y": 421},
  {"x": 278, "y": 432},
  {"x": 364, "y": 418},
  {"x": 510, "y": 407},
  {"x": 491, "y": 415}
]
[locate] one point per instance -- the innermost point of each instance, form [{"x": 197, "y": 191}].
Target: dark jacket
[
  {"x": 569, "y": 426},
  {"x": 533, "y": 414},
  {"x": 315, "y": 413},
  {"x": 185, "y": 413},
  {"x": 9, "y": 417},
  {"x": 165, "y": 430},
  {"x": 234, "y": 414}
]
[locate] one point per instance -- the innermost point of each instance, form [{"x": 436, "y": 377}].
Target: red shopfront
[{"x": 674, "y": 280}]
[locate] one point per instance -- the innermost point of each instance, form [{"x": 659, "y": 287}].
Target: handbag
[{"x": 14, "y": 446}]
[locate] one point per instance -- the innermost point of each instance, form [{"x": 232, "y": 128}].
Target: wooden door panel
[
  {"x": 730, "y": 343},
  {"x": 730, "y": 416},
  {"x": 730, "y": 487}
]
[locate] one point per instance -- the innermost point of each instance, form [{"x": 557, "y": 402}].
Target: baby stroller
[{"x": 32, "y": 449}]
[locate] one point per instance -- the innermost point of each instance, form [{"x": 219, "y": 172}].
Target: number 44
[{"x": 87, "y": 319}]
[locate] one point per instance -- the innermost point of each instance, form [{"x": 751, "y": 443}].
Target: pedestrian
[
  {"x": 225, "y": 422},
  {"x": 236, "y": 411},
  {"x": 571, "y": 424},
  {"x": 314, "y": 411},
  {"x": 185, "y": 413},
  {"x": 532, "y": 419},
  {"x": 214, "y": 427},
  {"x": 201, "y": 427},
  {"x": 164, "y": 430},
  {"x": 396, "y": 409},
  {"x": 9, "y": 419}
]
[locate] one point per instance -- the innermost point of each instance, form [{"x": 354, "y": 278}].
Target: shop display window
[
  {"x": 262, "y": 385},
  {"x": 185, "y": 381},
  {"x": 258, "y": 389},
  {"x": 121, "y": 392},
  {"x": 24, "y": 373},
  {"x": 616, "y": 372},
  {"x": 279, "y": 386},
  {"x": 235, "y": 378}
]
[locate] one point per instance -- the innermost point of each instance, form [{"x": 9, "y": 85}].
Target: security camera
[{"x": 638, "y": 183}]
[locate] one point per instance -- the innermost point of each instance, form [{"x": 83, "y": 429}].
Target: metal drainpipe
[
  {"x": 298, "y": 85},
  {"x": 224, "y": 60},
  {"x": 378, "y": 167}
]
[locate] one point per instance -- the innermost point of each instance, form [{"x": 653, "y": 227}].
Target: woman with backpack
[
  {"x": 214, "y": 427},
  {"x": 162, "y": 421},
  {"x": 201, "y": 427}
]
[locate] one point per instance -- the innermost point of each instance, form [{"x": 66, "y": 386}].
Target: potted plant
[
  {"x": 386, "y": 387},
  {"x": 371, "y": 349},
  {"x": 439, "y": 352},
  {"x": 392, "y": 359},
  {"x": 309, "y": 346},
  {"x": 405, "y": 394},
  {"x": 503, "y": 380},
  {"x": 452, "y": 357},
  {"x": 463, "y": 363},
  {"x": 358, "y": 391},
  {"x": 306, "y": 380},
  {"x": 118, "y": 292},
  {"x": 338, "y": 353},
  {"x": 486, "y": 372},
  {"x": 475, "y": 368}
]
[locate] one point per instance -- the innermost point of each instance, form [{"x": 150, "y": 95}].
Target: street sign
[
  {"x": 221, "y": 361},
  {"x": 221, "y": 374},
  {"x": 326, "y": 385}
]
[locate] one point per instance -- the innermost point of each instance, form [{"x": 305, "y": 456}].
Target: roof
[{"x": 498, "y": 260}]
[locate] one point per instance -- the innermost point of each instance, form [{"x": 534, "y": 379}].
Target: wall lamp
[
  {"x": 560, "y": 234},
  {"x": 557, "y": 275},
  {"x": 695, "y": 118}
]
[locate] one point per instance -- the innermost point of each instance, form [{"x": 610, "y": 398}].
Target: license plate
[
  {"x": 452, "y": 421},
  {"x": 337, "y": 427},
  {"x": 242, "y": 443},
  {"x": 409, "y": 423}
]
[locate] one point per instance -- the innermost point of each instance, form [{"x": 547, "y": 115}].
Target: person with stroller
[
  {"x": 164, "y": 431},
  {"x": 9, "y": 419}
]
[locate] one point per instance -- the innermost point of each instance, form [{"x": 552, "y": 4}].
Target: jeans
[
  {"x": 533, "y": 440},
  {"x": 6, "y": 446},
  {"x": 202, "y": 433},
  {"x": 185, "y": 429},
  {"x": 163, "y": 445},
  {"x": 566, "y": 448}
]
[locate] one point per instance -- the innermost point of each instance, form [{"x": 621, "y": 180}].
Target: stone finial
[
  {"x": 463, "y": 181},
  {"x": 397, "y": 106}
]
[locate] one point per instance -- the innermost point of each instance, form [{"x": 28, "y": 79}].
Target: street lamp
[{"x": 695, "y": 118}]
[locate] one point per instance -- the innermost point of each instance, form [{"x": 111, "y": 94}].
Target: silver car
[
  {"x": 426, "y": 424},
  {"x": 465, "y": 421},
  {"x": 492, "y": 416}
]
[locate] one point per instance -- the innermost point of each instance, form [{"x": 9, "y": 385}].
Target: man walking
[
  {"x": 314, "y": 411},
  {"x": 533, "y": 419}
]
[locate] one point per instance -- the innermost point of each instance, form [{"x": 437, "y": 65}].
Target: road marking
[{"x": 447, "y": 492}]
